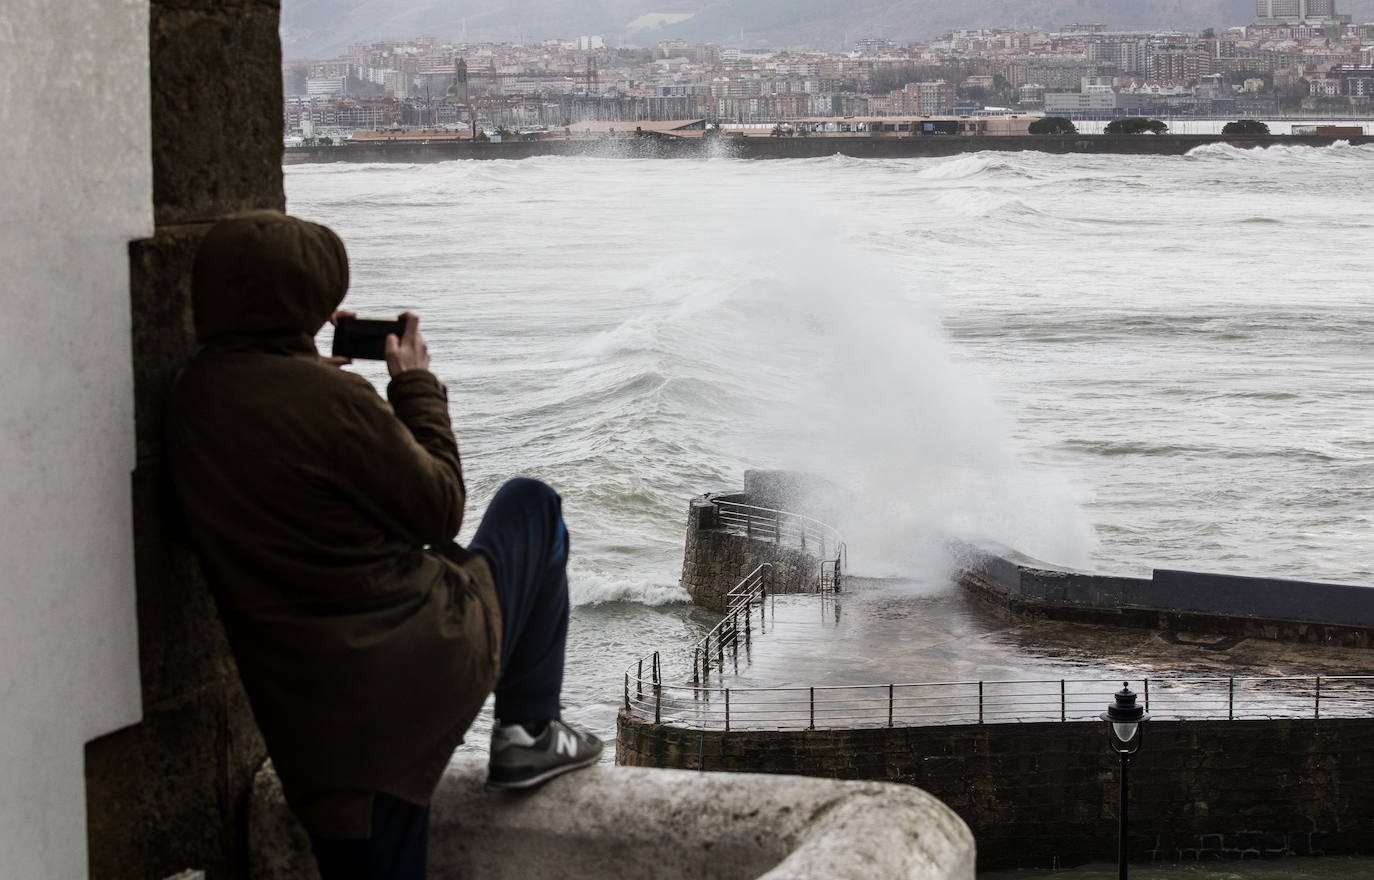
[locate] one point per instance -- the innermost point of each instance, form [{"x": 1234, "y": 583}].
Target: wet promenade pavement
[
  {"x": 880, "y": 631},
  {"x": 906, "y": 652}
]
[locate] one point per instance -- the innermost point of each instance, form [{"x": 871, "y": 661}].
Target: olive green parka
[{"x": 324, "y": 517}]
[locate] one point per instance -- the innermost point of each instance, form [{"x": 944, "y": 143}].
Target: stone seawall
[
  {"x": 1036, "y": 795},
  {"x": 716, "y": 558},
  {"x": 862, "y": 147},
  {"x": 1248, "y": 607}
]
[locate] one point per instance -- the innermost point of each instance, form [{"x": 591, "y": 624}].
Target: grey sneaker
[{"x": 519, "y": 760}]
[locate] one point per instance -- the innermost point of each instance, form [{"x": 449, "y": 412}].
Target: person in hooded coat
[{"x": 324, "y": 517}]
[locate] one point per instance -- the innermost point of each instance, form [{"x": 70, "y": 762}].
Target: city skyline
[{"x": 322, "y": 28}]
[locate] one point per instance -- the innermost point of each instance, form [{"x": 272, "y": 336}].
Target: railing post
[
  {"x": 727, "y": 708},
  {"x": 980, "y": 702},
  {"x": 658, "y": 704},
  {"x": 627, "y": 692},
  {"x": 1062, "y": 709},
  {"x": 639, "y": 681},
  {"x": 696, "y": 661},
  {"x": 889, "y": 705},
  {"x": 1147, "y": 695},
  {"x": 1317, "y": 701},
  {"x": 1231, "y": 699},
  {"x": 813, "y": 708}
]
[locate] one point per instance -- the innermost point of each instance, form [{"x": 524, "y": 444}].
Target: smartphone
[{"x": 364, "y": 338}]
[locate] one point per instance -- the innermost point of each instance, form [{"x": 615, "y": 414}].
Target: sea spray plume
[{"x": 865, "y": 388}]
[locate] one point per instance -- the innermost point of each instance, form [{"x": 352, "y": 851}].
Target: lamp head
[{"x": 1123, "y": 719}]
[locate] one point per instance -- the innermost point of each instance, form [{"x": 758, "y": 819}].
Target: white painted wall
[{"x": 75, "y": 187}]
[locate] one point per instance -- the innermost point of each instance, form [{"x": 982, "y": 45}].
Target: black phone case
[{"x": 364, "y": 338}]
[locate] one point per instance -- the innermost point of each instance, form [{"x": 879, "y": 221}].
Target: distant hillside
[{"x": 321, "y": 28}]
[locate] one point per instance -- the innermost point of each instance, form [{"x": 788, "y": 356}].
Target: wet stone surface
[{"x": 935, "y": 643}]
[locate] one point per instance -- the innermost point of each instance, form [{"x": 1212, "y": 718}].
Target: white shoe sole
[{"x": 544, "y": 776}]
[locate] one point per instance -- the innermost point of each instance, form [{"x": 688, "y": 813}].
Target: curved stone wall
[{"x": 716, "y": 558}]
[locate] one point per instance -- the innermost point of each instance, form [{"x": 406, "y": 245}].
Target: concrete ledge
[
  {"x": 1274, "y": 608},
  {"x": 630, "y": 822}
]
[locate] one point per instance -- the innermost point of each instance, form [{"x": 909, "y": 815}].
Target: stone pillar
[{"x": 171, "y": 792}]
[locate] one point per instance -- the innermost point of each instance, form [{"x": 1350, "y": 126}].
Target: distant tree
[
  {"x": 1053, "y": 125},
  {"x": 1245, "y": 126},
  {"x": 778, "y": 131},
  {"x": 1136, "y": 125},
  {"x": 326, "y": 142},
  {"x": 978, "y": 94}
]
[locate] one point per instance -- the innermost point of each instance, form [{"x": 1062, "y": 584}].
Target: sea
[{"x": 1111, "y": 363}]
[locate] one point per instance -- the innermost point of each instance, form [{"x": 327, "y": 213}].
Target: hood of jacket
[{"x": 266, "y": 274}]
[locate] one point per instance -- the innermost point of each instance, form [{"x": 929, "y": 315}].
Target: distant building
[
  {"x": 1353, "y": 81},
  {"x": 872, "y": 46},
  {"x": 1295, "y": 12},
  {"x": 326, "y": 87},
  {"x": 1075, "y": 29}
]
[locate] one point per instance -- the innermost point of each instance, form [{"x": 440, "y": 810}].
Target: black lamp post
[{"x": 1124, "y": 730}]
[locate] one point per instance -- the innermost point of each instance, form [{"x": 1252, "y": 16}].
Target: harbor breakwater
[
  {"x": 818, "y": 146},
  {"x": 1040, "y": 794},
  {"x": 1221, "y": 604}
]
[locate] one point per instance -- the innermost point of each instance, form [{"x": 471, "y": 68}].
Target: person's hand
[
  {"x": 330, "y": 360},
  {"x": 409, "y": 352}
]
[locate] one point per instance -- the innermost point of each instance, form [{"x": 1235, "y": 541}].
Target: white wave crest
[{"x": 594, "y": 588}]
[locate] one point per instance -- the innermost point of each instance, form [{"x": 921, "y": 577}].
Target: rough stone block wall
[
  {"x": 1037, "y": 794},
  {"x": 171, "y": 792},
  {"x": 716, "y": 559}
]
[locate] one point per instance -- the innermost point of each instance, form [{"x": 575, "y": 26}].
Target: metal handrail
[
  {"x": 711, "y": 707},
  {"x": 779, "y": 526}
]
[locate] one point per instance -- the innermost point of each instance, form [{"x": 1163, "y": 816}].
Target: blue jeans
[{"x": 524, "y": 540}]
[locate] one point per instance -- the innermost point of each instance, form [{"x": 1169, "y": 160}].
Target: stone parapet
[
  {"x": 666, "y": 824},
  {"x": 1038, "y": 795}
]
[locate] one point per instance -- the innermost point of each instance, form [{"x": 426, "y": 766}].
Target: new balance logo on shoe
[
  {"x": 519, "y": 760},
  {"x": 567, "y": 744}
]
